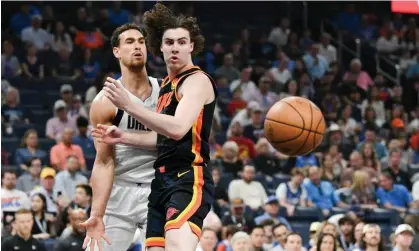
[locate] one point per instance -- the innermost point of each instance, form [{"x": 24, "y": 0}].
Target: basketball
[{"x": 294, "y": 126}]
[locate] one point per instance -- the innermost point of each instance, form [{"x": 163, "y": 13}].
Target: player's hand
[
  {"x": 110, "y": 135},
  {"x": 116, "y": 93},
  {"x": 95, "y": 233}
]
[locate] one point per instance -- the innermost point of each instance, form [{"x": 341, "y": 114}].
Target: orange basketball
[{"x": 294, "y": 126}]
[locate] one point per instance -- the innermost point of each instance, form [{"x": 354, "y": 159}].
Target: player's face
[
  {"x": 176, "y": 48},
  {"x": 132, "y": 51}
]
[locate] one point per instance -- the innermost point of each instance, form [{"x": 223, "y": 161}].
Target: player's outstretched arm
[{"x": 195, "y": 92}]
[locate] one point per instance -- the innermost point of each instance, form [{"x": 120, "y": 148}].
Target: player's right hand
[
  {"x": 110, "y": 135},
  {"x": 95, "y": 233}
]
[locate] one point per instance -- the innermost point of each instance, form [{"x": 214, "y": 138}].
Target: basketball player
[
  {"x": 182, "y": 191},
  {"x": 122, "y": 175}
]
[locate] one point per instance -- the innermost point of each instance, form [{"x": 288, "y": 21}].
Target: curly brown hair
[{"x": 161, "y": 18}]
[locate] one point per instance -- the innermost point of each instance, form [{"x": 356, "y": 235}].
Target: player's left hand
[{"x": 116, "y": 93}]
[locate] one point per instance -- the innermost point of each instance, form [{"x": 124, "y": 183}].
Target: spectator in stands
[
  {"x": 90, "y": 67},
  {"x": 358, "y": 235},
  {"x": 117, "y": 15},
  {"x": 293, "y": 242},
  {"x": 29, "y": 149},
  {"x": 356, "y": 163},
  {"x": 236, "y": 103},
  {"x": 243, "y": 116},
  {"x": 35, "y": 34},
  {"x": 293, "y": 48},
  {"x": 214, "y": 57},
  {"x": 30, "y": 179},
  {"x": 346, "y": 226},
  {"x": 12, "y": 113},
  {"x": 316, "y": 64},
  {"x": 388, "y": 43},
  {"x": 372, "y": 238},
  {"x": 373, "y": 101},
  {"x": 403, "y": 237},
  {"x": 221, "y": 197},
  {"x": 266, "y": 162},
  {"x": 415, "y": 193},
  {"x": 12, "y": 199},
  {"x": 322, "y": 193},
  {"x": 413, "y": 70},
  {"x": 22, "y": 19},
  {"x": 326, "y": 242},
  {"x": 61, "y": 39},
  {"x": 75, "y": 240},
  {"x": 65, "y": 68},
  {"x": 57, "y": 124},
  {"x": 228, "y": 70},
  {"x": 23, "y": 240},
  {"x": 44, "y": 227},
  {"x": 357, "y": 75},
  {"x": 246, "y": 146},
  {"x": 89, "y": 37},
  {"x": 81, "y": 21},
  {"x": 268, "y": 242},
  {"x": 399, "y": 176},
  {"x": 330, "y": 171},
  {"x": 47, "y": 189},
  {"x": 280, "y": 232},
  {"x": 263, "y": 95},
  {"x": 237, "y": 216},
  {"x": 67, "y": 95},
  {"x": 67, "y": 180},
  {"x": 10, "y": 65},
  {"x": 409, "y": 35},
  {"x": 350, "y": 127},
  {"x": 227, "y": 234},
  {"x": 208, "y": 240},
  {"x": 82, "y": 139},
  {"x": 241, "y": 242},
  {"x": 271, "y": 209},
  {"x": 252, "y": 192},
  {"x": 257, "y": 236},
  {"x": 279, "y": 34},
  {"x": 77, "y": 109},
  {"x": 292, "y": 194},
  {"x": 393, "y": 196},
  {"x": 413, "y": 221},
  {"x": 230, "y": 162},
  {"x": 371, "y": 137},
  {"x": 106, "y": 27},
  {"x": 61, "y": 151},
  {"x": 362, "y": 191},
  {"x": 280, "y": 74},
  {"x": 331, "y": 105},
  {"x": 254, "y": 131},
  {"x": 32, "y": 65},
  {"x": 290, "y": 89},
  {"x": 370, "y": 157},
  {"x": 327, "y": 50}
]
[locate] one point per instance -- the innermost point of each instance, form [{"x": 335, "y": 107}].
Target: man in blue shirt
[
  {"x": 317, "y": 65},
  {"x": 393, "y": 196},
  {"x": 322, "y": 193},
  {"x": 272, "y": 212}
]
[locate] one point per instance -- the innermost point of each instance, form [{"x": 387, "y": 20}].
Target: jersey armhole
[{"x": 118, "y": 117}]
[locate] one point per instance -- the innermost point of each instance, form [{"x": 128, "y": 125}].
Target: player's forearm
[
  {"x": 102, "y": 180},
  {"x": 169, "y": 126},
  {"x": 145, "y": 141}
]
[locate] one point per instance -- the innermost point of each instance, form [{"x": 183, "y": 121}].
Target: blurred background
[{"x": 358, "y": 61}]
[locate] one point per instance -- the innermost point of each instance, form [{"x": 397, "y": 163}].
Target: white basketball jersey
[{"x": 133, "y": 164}]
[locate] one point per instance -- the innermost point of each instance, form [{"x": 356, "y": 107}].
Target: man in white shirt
[
  {"x": 279, "y": 35},
  {"x": 244, "y": 82},
  {"x": 35, "y": 34},
  {"x": 252, "y": 192},
  {"x": 244, "y": 116},
  {"x": 388, "y": 43},
  {"x": 327, "y": 50},
  {"x": 415, "y": 193}
]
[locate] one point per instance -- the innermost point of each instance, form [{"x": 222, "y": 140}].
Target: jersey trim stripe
[
  {"x": 176, "y": 86},
  {"x": 154, "y": 242},
  {"x": 118, "y": 117},
  {"x": 196, "y": 139},
  {"x": 193, "y": 205}
]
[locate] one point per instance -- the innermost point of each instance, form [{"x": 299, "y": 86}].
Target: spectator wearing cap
[
  {"x": 317, "y": 65},
  {"x": 254, "y": 131},
  {"x": 61, "y": 120},
  {"x": 82, "y": 139},
  {"x": 327, "y": 50},
  {"x": 66, "y": 93},
  {"x": 47, "y": 188},
  {"x": 399, "y": 176},
  {"x": 61, "y": 151},
  {"x": 35, "y": 34},
  {"x": 393, "y": 196},
  {"x": 271, "y": 209},
  {"x": 371, "y": 137},
  {"x": 403, "y": 237},
  {"x": 322, "y": 193},
  {"x": 292, "y": 194},
  {"x": 28, "y": 181},
  {"x": 413, "y": 221},
  {"x": 265, "y": 98},
  {"x": 334, "y": 136},
  {"x": 237, "y": 216}
]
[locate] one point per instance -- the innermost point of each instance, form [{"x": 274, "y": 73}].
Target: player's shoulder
[{"x": 102, "y": 109}]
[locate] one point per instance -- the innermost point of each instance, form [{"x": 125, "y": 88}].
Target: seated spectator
[
  {"x": 29, "y": 149},
  {"x": 358, "y": 231},
  {"x": 393, "y": 196},
  {"x": 44, "y": 227},
  {"x": 117, "y": 15},
  {"x": 230, "y": 162},
  {"x": 257, "y": 236},
  {"x": 399, "y": 176},
  {"x": 47, "y": 189},
  {"x": 292, "y": 194},
  {"x": 89, "y": 38},
  {"x": 246, "y": 146},
  {"x": 322, "y": 193},
  {"x": 371, "y": 137},
  {"x": 12, "y": 112},
  {"x": 265, "y": 98},
  {"x": 61, "y": 39},
  {"x": 32, "y": 65},
  {"x": 388, "y": 43},
  {"x": 60, "y": 121},
  {"x": 271, "y": 209},
  {"x": 279, "y": 34},
  {"x": 280, "y": 232},
  {"x": 30, "y": 179},
  {"x": 290, "y": 89},
  {"x": 67, "y": 180},
  {"x": 208, "y": 240},
  {"x": 356, "y": 163},
  {"x": 294, "y": 242},
  {"x": 266, "y": 162},
  {"x": 23, "y": 240},
  {"x": 77, "y": 109},
  {"x": 334, "y": 137},
  {"x": 75, "y": 240},
  {"x": 64, "y": 68},
  {"x": 306, "y": 87},
  {"x": 350, "y": 127},
  {"x": 280, "y": 74},
  {"x": 326, "y": 242},
  {"x": 61, "y": 151},
  {"x": 346, "y": 226},
  {"x": 362, "y": 78},
  {"x": 228, "y": 70},
  {"x": 237, "y": 216},
  {"x": 330, "y": 229},
  {"x": 10, "y": 65},
  {"x": 331, "y": 105},
  {"x": 241, "y": 241},
  {"x": 220, "y": 195},
  {"x": 254, "y": 131},
  {"x": 243, "y": 116},
  {"x": 67, "y": 95},
  {"x": 90, "y": 66},
  {"x": 12, "y": 199},
  {"x": 327, "y": 50},
  {"x": 413, "y": 69},
  {"x": 236, "y": 104},
  {"x": 330, "y": 171},
  {"x": 370, "y": 157},
  {"x": 252, "y": 192},
  {"x": 371, "y": 238},
  {"x": 82, "y": 139},
  {"x": 403, "y": 237},
  {"x": 373, "y": 101},
  {"x": 362, "y": 193},
  {"x": 35, "y": 34},
  {"x": 415, "y": 193},
  {"x": 316, "y": 64},
  {"x": 268, "y": 240}
]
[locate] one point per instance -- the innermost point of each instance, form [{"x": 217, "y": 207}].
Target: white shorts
[{"x": 126, "y": 212}]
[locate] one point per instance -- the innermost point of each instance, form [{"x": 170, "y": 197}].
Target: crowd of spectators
[{"x": 366, "y": 166}]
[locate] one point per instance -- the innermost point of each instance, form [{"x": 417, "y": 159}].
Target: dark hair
[
  {"x": 320, "y": 240},
  {"x": 160, "y": 18},
  {"x": 32, "y": 159},
  {"x": 44, "y": 201},
  {"x": 291, "y": 234},
  {"x": 231, "y": 230},
  {"x": 82, "y": 122},
  {"x": 387, "y": 174},
  {"x": 257, "y": 227},
  {"x": 267, "y": 222},
  {"x": 26, "y": 135},
  {"x": 8, "y": 171},
  {"x": 86, "y": 188},
  {"x": 121, "y": 29},
  {"x": 278, "y": 225}
]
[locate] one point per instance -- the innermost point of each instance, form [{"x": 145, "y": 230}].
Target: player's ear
[
  {"x": 116, "y": 52},
  {"x": 191, "y": 47}
]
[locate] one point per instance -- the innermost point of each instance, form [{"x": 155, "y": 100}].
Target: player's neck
[
  {"x": 172, "y": 73},
  {"x": 133, "y": 81}
]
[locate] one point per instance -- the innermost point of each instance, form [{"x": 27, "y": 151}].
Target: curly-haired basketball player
[{"x": 182, "y": 191}]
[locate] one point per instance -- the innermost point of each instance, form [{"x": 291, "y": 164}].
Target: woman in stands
[
  {"x": 29, "y": 148},
  {"x": 326, "y": 242},
  {"x": 330, "y": 171},
  {"x": 32, "y": 66},
  {"x": 43, "y": 223},
  {"x": 363, "y": 193},
  {"x": 370, "y": 157}
]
